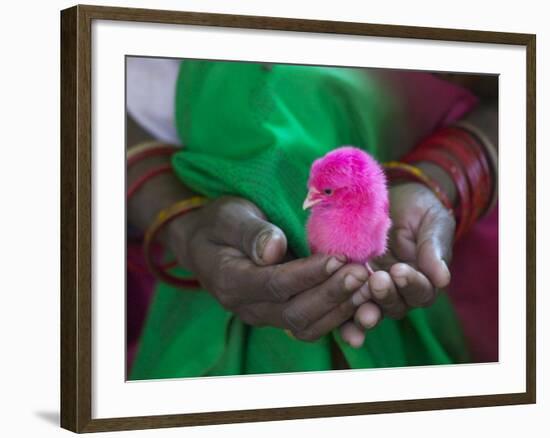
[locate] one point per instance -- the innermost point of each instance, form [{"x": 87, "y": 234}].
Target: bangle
[
  {"x": 151, "y": 173},
  {"x": 147, "y": 149},
  {"x": 397, "y": 170},
  {"x": 151, "y": 152},
  {"x": 164, "y": 217},
  {"x": 140, "y": 269}
]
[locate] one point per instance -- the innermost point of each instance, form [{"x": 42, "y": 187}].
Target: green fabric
[{"x": 254, "y": 131}]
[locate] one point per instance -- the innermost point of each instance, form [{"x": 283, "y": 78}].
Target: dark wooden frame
[{"x": 76, "y": 313}]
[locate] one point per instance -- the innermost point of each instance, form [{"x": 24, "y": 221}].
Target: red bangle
[
  {"x": 143, "y": 269},
  {"x": 164, "y": 217},
  {"x": 134, "y": 155},
  {"x": 137, "y": 184}
]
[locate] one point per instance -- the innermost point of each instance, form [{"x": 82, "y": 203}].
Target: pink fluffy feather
[{"x": 349, "y": 204}]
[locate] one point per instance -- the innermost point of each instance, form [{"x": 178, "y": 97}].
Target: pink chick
[{"x": 349, "y": 205}]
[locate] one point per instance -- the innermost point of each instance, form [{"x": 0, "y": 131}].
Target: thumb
[
  {"x": 242, "y": 225},
  {"x": 262, "y": 241},
  {"x": 435, "y": 239}
]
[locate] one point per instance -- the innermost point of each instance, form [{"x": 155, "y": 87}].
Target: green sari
[{"x": 253, "y": 131}]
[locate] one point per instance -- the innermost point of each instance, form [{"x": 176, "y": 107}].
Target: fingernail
[
  {"x": 361, "y": 296},
  {"x": 357, "y": 340},
  {"x": 334, "y": 264},
  {"x": 351, "y": 282},
  {"x": 401, "y": 282},
  {"x": 445, "y": 267},
  {"x": 369, "y": 320},
  {"x": 446, "y": 276},
  {"x": 261, "y": 243}
]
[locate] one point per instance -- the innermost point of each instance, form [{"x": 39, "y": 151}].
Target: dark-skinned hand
[
  {"x": 414, "y": 266},
  {"x": 242, "y": 260}
]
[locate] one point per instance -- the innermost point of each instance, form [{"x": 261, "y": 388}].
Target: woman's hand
[
  {"x": 415, "y": 265},
  {"x": 239, "y": 258}
]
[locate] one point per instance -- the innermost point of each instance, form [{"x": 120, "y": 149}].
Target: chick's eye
[{"x": 327, "y": 192}]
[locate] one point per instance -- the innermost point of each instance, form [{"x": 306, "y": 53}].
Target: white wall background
[{"x": 29, "y": 215}]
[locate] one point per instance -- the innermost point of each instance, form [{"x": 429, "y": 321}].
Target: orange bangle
[{"x": 164, "y": 217}]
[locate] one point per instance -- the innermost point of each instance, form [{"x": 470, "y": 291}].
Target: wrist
[
  {"x": 159, "y": 227},
  {"x": 178, "y": 233},
  {"x": 155, "y": 194},
  {"x": 442, "y": 178}
]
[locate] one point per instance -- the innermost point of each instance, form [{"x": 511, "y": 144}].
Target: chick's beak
[{"x": 312, "y": 198}]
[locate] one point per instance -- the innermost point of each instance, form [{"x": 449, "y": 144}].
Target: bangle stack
[
  {"x": 464, "y": 157},
  {"x": 137, "y": 154}
]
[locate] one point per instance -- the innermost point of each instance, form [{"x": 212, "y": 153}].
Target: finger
[
  {"x": 385, "y": 295},
  {"x": 310, "y": 306},
  {"x": 362, "y": 295},
  {"x": 262, "y": 314},
  {"x": 435, "y": 239},
  {"x": 352, "y": 335},
  {"x": 333, "y": 319},
  {"x": 367, "y": 316},
  {"x": 412, "y": 285},
  {"x": 242, "y": 225},
  {"x": 250, "y": 283}
]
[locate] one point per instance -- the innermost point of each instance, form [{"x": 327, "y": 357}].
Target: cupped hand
[
  {"x": 414, "y": 266},
  {"x": 242, "y": 260}
]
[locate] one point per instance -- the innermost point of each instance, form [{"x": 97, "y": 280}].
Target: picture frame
[{"x": 77, "y": 223}]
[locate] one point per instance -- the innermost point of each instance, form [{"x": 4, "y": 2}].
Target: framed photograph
[{"x": 269, "y": 218}]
